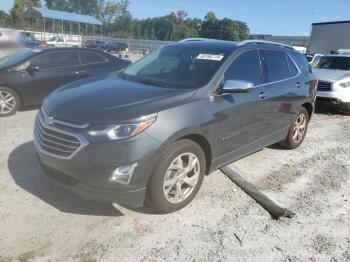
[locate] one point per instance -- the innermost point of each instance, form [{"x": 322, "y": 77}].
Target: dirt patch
[{"x": 221, "y": 224}]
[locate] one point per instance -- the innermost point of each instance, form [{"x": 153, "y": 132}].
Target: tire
[
  {"x": 300, "y": 121},
  {"x": 169, "y": 178},
  {"x": 9, "y": 102}
]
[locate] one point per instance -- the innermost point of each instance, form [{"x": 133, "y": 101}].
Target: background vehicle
[
  {"x": 28, "y": 40},
  {"x": 115, "y": 47},
  {"x": 313, "y": 58},
  {"x": 333, "y": 73},
  {"x": 28, "y": 76},
  {"x": 7, "y": 38},
  {"x": 164, "y": 122},
  {"x": 95, "y": 44},
  {"x": 58, "y": 41}
]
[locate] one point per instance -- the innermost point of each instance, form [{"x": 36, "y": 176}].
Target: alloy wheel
[
  {"x": 299, "y": 128},
  {"x": 181, "y": 178},
  {"x": 7, "y": 102}
]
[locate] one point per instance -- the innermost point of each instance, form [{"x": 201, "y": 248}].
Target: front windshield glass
[
  {"x": 53, "y": 38},
  {"x": 15, "y": 58},
  {"x": 177, "y": 67},
  {"x": 333, "y": 63}
]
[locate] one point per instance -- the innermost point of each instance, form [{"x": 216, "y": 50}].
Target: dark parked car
[
  {"x": 115, "y": 47},
  {"x": 28, "y": 76},
  {"x": 156, "y": 128},
  {"x": 95, "y": 44}
]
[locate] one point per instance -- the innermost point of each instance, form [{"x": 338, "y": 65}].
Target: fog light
[{"x": 123, "y": 174}]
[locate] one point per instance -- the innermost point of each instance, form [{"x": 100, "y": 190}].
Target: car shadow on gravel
[{"x": 26, "y": 172}]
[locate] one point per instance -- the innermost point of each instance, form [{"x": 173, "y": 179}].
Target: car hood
[
  {"x": 330, "y": 75},
  {"x": 107, "y": 99}
]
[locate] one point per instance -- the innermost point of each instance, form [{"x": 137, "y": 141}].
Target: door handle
[
  {"x": 298, "y": 85},
  {"x": 262, "y": 95},
  {"x": 80, "y": 72}
]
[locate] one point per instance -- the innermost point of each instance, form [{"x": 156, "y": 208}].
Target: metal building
[
  {"x": 329, "y": 37},
  {"x": 52, "y": 16}
]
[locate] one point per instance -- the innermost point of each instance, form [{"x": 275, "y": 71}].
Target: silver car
[{"x": 333, "y": 74}]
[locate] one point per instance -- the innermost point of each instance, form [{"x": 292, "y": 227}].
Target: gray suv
[{"x": 151, "y": 132}]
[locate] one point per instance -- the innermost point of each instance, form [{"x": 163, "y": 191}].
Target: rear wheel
[
  {"x": 9, "y": 102},
  {"x": 297, "y": 130},
  {"x": 177, "y": 177}
]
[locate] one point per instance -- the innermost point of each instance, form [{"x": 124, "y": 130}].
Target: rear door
[
  {"x": 280, "y": 74},
  {"x": 94, "y": 63},
  {"x": 54, "y": 69}
]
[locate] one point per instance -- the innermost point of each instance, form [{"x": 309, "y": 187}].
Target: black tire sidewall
[
  {"x": 17, "y": 101},
  {"x": 155, "y": 196}
]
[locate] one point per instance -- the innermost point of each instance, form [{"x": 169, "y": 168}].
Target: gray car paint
[{"x": 228, "y": 126}]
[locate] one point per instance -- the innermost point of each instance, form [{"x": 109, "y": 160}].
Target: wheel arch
[
  {"x": 309, "y": 107},
  {"x": 204, "y": 144}
]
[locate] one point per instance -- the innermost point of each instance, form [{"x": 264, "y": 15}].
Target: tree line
[{"x": 118, "y": 21}]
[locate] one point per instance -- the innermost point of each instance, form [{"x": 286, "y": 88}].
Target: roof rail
[
  {"x": 196, "y": 39},
  {"x": 263, "y": 42}
]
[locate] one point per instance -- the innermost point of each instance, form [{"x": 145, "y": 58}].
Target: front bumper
[
  {"x": 343, "y": 97},
  {"x": 133, "y": 198},
  {"x": 88, "y": 172}
]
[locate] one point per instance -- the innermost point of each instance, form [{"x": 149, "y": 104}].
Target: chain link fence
[{"x": 135, "y": 44}]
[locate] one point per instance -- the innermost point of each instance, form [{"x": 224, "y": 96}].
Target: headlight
[
  {"x": 345, "y": 84},
  {"x": 124, "y": 131}
]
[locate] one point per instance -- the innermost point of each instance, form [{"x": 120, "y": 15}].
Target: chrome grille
[
  {"x": 324, "y": 86},
  {"x": 55, "y": 142}
]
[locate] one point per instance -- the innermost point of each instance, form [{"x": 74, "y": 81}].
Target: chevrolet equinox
[{"x": 150, "y": 133}]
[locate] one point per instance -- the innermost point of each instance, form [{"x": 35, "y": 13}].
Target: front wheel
[
  {"x": 177, "y": 177},
  {"x": 297, "y": 131},
  {"x": 9, "y": 102}
]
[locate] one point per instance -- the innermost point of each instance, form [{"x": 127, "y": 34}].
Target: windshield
[
  {"x": 333, "y": 63},
  {"x": 15, "y": 58},
  {"x": 177, "y": 67},
  {"x": 53, "y": 38}
]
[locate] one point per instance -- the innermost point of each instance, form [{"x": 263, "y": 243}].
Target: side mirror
[
  {"x": 236, "y": 86},
  {"x": 32, "y": 69}
]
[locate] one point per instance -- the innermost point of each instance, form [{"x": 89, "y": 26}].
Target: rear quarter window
[
  {"x": 292, "y": 68},
  {"x": 92, "y": 58},
  {"x": 301, "y": 61}
]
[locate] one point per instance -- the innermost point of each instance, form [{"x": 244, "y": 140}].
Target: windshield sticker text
[{"x": 210, "y": 57}]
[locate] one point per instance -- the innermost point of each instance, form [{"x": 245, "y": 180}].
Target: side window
[
  {"x": 60, "y": 39},
  {"x": 293, "y": 71},
  {"x": 302, "y": 62},
  {"x": 245, "y": 67},
  {"x": 56, "y": 60},
  {"x": 276, "y": 66},
  {"x": 92, "y": 58}
]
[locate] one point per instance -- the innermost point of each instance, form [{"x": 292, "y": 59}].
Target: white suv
[{"x": 333, "y": 74}]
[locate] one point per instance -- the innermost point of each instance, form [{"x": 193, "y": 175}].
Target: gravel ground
[{"x": 41, "y": 222}]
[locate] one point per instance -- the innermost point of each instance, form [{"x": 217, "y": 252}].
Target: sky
[{"x": 283, "y": 17}]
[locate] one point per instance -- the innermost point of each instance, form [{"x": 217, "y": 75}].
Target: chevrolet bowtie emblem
[{"x": 48, "y": 120}]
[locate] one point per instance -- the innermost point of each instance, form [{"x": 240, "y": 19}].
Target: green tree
[
  {"x": 4, "y": 18},
  {"x": 32, "y": 3},
  {"x": 210, "y": 28},
  {"x": 61, "y": 5},
  {"x": 17, "y": 12}
]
